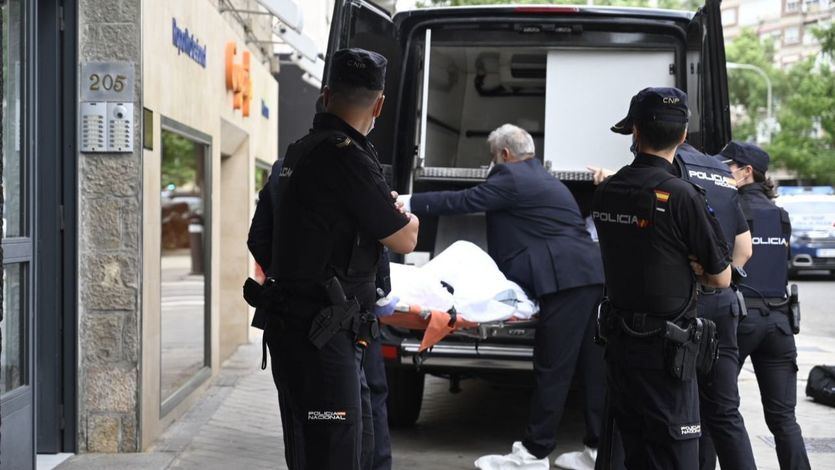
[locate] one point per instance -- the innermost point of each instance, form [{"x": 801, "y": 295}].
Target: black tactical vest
[
  {"x": 716, "y": 179},
  {"x": 306, "y": 247},
  {"x": 767, "y": 269},
  {"x": 645, "y": 269}
]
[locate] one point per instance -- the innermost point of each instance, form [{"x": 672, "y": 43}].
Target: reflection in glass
[
  {"x": 184, "y": 253},
  {"x": 11, "y": 115},
  {"x": 13, "y": 328}
]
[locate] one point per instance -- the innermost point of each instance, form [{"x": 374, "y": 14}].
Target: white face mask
[{"x": 371, "y": 128}]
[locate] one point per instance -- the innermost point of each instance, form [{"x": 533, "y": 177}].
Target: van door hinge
[
  {"x": 60, "y": 18},
  {"x": 61, "y": 217}
]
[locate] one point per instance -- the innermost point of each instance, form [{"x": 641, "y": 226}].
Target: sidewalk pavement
[{"x": 236, "y": 425}]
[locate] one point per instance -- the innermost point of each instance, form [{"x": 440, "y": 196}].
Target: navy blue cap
[
  {"x": 743, "y": 153},
  {"x": 654, "y": 104},
  {"x": 358, "y": 68}
]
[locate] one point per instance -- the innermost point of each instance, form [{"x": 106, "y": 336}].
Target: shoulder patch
[{"x": 342, "y": 142}]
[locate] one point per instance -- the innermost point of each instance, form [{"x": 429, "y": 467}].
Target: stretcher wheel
[{"x": 405, "y": 395}]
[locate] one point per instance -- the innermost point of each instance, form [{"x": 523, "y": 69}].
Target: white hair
[{"x": 513, "y": 138}]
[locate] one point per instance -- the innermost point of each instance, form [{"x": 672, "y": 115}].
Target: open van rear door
[
  {"x": 360, "y": 23},
  {"x": 707, "y": 80}
]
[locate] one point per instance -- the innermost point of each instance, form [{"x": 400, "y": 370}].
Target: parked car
[
  {"x": 813, "y": 232},
  {"x": 563, "y": 73}
]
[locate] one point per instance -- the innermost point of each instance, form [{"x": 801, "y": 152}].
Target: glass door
[{"x": 16, "y": 323}]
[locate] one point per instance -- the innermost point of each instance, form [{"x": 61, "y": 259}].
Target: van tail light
[
  {"x": 390, "y": 353},
  {"x": 541, "y": 9}
]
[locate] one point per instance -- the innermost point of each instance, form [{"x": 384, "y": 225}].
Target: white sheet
[{"x": 482, "y": 293}]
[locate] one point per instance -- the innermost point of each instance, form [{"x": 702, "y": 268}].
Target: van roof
[{"x": 492, "y": 10}]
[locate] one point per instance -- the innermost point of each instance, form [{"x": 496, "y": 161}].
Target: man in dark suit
[{"x": 537, "y": 237}]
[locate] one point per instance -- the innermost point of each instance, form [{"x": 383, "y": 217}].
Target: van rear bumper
[{"x": 469, "y": 356}]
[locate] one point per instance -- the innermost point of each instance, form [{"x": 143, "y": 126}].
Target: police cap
[
  {"x": 743, "y": 153},
  {"x": 654, "y": 104},
  {"x": 358, "y": 68}
]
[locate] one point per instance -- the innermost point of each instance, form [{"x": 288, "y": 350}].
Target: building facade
[
  {"x": 788, "y": 23},
  {"x": 131, "y": 135}
]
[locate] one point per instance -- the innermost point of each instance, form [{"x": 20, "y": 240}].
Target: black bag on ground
[{"x": 821, "y": 385}]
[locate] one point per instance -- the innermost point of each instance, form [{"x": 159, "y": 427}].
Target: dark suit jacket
[{"x": 535, "y": 232}]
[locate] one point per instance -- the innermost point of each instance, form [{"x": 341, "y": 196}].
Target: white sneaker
[
  {"x": 577, "y": 460},
  {"x": 520, "y": 458}
]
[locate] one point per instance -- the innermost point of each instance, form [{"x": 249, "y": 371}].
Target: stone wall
[{"x": 110, "y": 250}]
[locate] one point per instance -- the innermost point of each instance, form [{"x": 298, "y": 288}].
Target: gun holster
[
  {"x": 794, "y": 309},
  {"x": 342, "y": 314},
  {"x": 692, "y": 349}
]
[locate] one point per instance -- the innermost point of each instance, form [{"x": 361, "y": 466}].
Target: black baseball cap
[
  {"x": 358, "y": 68},
  {"x": 743, "y": 153},
  {"x": 654, "y": 104}
]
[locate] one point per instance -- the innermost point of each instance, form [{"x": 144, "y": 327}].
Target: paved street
[{"x": 235, "y": 425}]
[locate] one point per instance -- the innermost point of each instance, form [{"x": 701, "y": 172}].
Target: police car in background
[
  {"x": 563, "y": 73},
  {"x": 812, "y": 215}
]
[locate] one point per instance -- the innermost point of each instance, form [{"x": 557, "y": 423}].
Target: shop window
[
  {"x": 791, "y": 36},
  {"x": 262, "y": 173},
  {"x": 185, "y": 261},
  {"x": 13, "y": 373}
]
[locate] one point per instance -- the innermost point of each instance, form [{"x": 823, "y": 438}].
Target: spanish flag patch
[{"x": 662, "y": 196}]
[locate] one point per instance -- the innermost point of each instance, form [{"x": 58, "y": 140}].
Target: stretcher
[
  {"x": 460, "y": 290},
  {"x": 438, "y": 324}
]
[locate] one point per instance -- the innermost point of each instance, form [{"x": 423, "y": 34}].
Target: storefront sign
[
  {"x": 238, "y": 79},
  {"x": 187, "y": 44}
]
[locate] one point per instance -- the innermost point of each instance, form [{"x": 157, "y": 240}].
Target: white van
[{"x": 565, "y": 74}]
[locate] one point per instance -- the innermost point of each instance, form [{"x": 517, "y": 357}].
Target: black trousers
[
  {"x": 321, "y": 400},
  {"x": 563, "y": 343},
  {"x": 723, "y": 429},
  {"x": 375, "y": 375},
  {"x": 657, "y": 415},
  {"x": 766, "y": 336}
]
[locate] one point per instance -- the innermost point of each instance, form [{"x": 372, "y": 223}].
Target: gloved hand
[
  {"x": 405, "y": 200},
  {"x": 385, "y": 306}
]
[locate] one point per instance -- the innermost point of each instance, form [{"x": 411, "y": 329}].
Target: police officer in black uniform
[
  {"x": 658, "y": 239},
  {"x": 767, "y": 333},
  {"x": 319, "y": 228},
  {"x": 723, "y": 430}
]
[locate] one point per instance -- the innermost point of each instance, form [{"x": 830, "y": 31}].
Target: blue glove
[{"x": 385, "y": 306}]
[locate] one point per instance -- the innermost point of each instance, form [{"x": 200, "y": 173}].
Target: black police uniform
[
  {"x": 321, "y": 215},
  {"x": 766, "y": 333},
  {"x": 648, "y": 222},
  {"x": 723, "y": 430}
]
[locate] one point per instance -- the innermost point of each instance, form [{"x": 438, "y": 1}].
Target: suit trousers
[
  {"x": 563, "y": 344},
  {"x": 723, "y": 429},
  {"x": 765, "y": 336}
]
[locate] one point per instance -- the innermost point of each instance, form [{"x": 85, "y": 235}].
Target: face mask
[{"x": 371, "y": 128}]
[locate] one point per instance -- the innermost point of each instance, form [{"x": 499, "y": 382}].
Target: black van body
[{"x": 694, "y": 41}]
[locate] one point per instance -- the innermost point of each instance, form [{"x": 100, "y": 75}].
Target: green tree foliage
[
  {"x": 179, "y": 166},
  {"x": 747, "y": 89},
  {"x": 806, "y": 141}
]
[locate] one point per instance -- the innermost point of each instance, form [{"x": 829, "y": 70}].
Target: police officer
[
  {"x": 724, "y": 431},
  {"x": 766, "y": 334},
  {"x": 319, "y": 228},
  {"x": 658, "y": 238}
]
